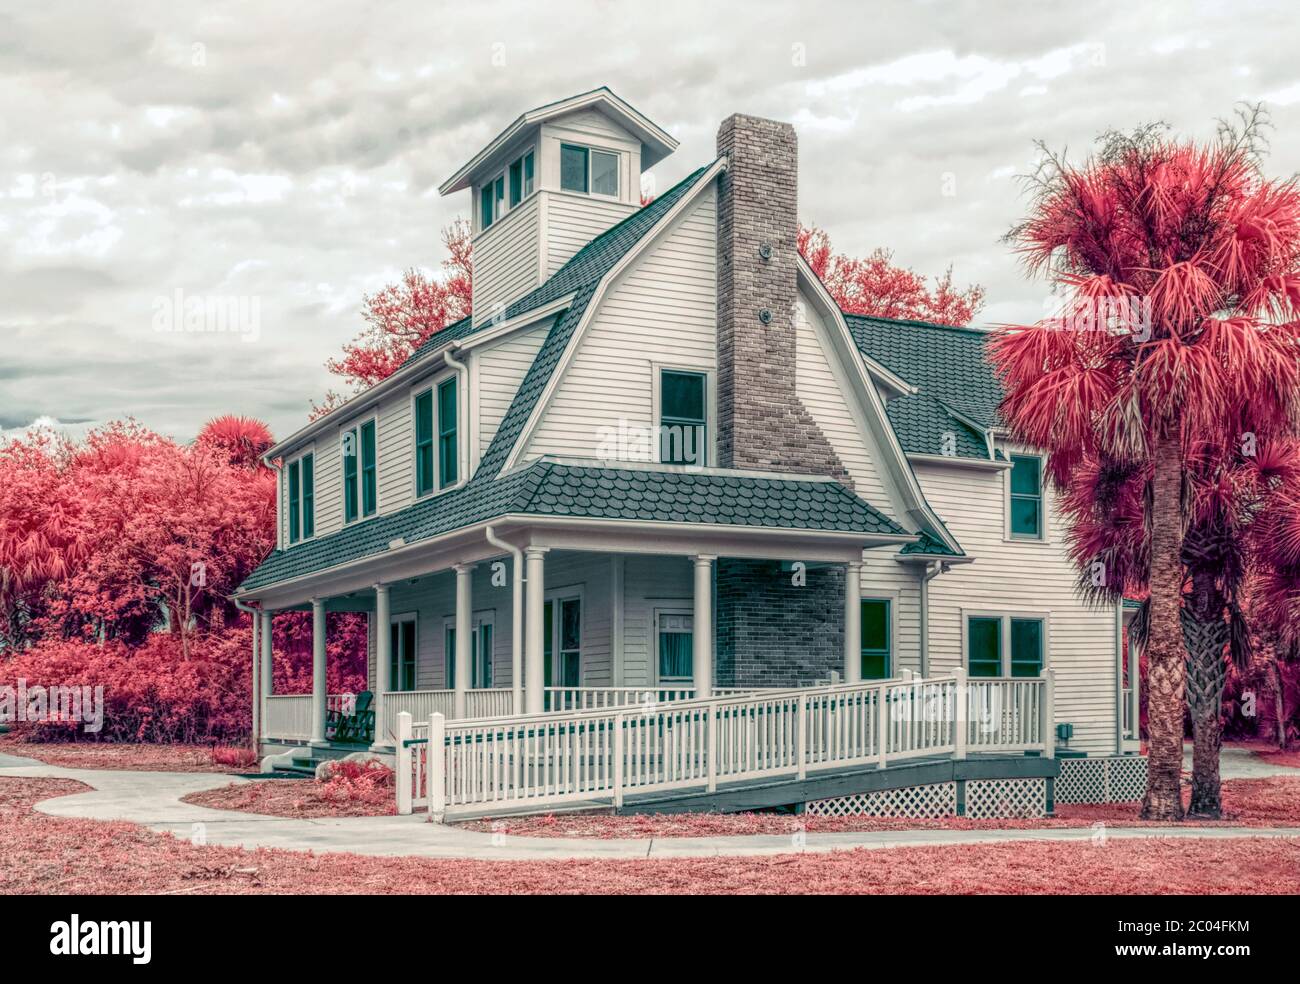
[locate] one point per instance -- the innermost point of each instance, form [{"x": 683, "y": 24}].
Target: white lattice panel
[
  {"x": 1102, "y": 780},
  {"x": 927, "y": 802},
  {"x": 1006, "y": 798}
]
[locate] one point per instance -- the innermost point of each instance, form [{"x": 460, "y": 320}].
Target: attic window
[
  {"x": 588, "y": 171},
  {"x": 505, "y": 191}
]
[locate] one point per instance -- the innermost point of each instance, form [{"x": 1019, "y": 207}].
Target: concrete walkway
[{"x": 153, "y": 800}]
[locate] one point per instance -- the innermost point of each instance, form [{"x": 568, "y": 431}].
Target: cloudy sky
[{"x": 289, "y": 153}]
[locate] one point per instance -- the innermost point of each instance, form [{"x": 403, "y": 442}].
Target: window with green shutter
[
  {"x": 295, "y": 503},
  {"x": 875, "y": 638},
  {"x": 1026, "y": 496},
  {"x": 308, "y": 496},
  {"x": 369, "y": 470},
  {"x": 424, "y": 460},
  {"x": 448, "y": 455},
  {"x": 351, "y": 497},
  {"x": 984, "y": 646}
]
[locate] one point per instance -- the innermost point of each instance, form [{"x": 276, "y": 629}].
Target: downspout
[
  {"x": 931, "y": 572},
  {"x": 462, "y": 402},
  {"x": 516, "y": 621},
  {"x": 255, "y": 720}
]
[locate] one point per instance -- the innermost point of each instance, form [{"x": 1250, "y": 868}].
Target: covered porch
[{"x": 552, "y": 615}]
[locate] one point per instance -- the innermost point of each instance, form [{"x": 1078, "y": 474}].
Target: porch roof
[{"x": 552, "y": 488}]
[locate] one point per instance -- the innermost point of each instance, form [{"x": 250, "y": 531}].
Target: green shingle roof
[
  {"x": 548, "y": 488},
  {"x": 949, "y": 367}
]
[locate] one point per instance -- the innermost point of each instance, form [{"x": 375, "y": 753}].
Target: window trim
[
  {"x": 657, "y": 369},
  {"x": 430, "y": 385},
  {"x": 395, "y": 619},
  {"x": 478, "y": 619},
  {"x": 591, "y": 149},
  {"x": 303, "y": 535},
  {"x": 354, "y": 426},
  {"x": 891, "y": 622},
  {"x": 577, "y": 593},
  {"x": 1009, "y": 535},
  {"x": 672, "y": 682},
  {"x": 1005, "y": 617}
]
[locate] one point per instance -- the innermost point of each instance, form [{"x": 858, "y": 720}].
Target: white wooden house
[{"x": 659, "y": 459}]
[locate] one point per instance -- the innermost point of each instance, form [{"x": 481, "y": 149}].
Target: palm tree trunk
[
  {"x": 1279, "y": 702},
  {"x": 1166, "y": 665},
  {"x": 1206, "y": 637}
]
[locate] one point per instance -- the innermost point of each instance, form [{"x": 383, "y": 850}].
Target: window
[
  {"x": 875, "y": 638},
  {"x": 424, "y": 464},
  {"x": 584, "y": 170},
  {"x": 360, "y": 472},
  {"x": 1026, "y": 496},
  {"x": 682, "y": 427},
  {"x": 480, "y": 654},
  {"x": 562, "y": 642},
  {"x": 401, "y": 653},
  {"x": 503, "y": 192},
  {"x": 1005, "y": 645},
  {"x": 448, "y": 459},
  {"x": 437, "y": 463},
  {"x": 302, "y": 511},
  {"x": 676, "y": 647}
]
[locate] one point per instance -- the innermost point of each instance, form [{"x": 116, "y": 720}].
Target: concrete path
[
  {"x": 1242, "y": 763},
  {"x": 153, "y": 800}
]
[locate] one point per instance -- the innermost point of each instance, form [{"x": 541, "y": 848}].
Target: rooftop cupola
[{"x": 549, "y": 183}]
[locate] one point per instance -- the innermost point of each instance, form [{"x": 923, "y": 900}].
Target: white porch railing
[
  {"x": 589, "y": 698},
  {"x": 420, "y": 704},
  {"x": 600, "y": 755},
  {"x": 289, "y": 715}
]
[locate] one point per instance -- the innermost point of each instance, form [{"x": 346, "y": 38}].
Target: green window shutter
[
  {"x": 448, "y": 456},
  {"x": 350, "y": 476},
  {"x": 449, "y": 659},
  {"x": 573, "y": 168},
  {"x": 682, "y": 422},
  {"x": 875, "y": 639},
  {"x": 424, "y": 443},
  {"x": 604, "y": 173},
  {"x": 308, "y": 495},
  {"x": 528, "y": 174},
  {"x": 1026, "y": 647},
  {"x": 294, "y": 503},
  {"x": 516, "y": 182},
  {"x": 1026, "y": 496},
  {"x": 369, "y": 470},
  {"x": 984, "y": 646},
  {"x": 485, "y": 205}
]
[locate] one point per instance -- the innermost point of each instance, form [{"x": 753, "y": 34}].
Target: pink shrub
[
  {"x": 234, "y": 756},
  {"x": 359, "y": 782}
]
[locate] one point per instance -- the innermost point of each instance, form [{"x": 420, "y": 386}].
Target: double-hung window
[
  {"x": 480, "y": 653},
  {"x": 876, "y": 638},
  {"x": 302, "y": 498},
  {"x": 676, "y": 647},
  {"x": 360, "y": 471},
  {"x": 1026, "y": 503},
  {"x": 437, "y": 442},
  {"x": 1005, "y": 645},
  {"x": 588, "y": 171},
  {"x": 401, "y": 653},
  {"x": 506, "y": 190},
  {"x": 683, "y": 424}
]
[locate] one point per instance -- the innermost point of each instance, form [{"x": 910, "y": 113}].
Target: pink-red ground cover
[
  {"x": 353, "y": 790},
  {"x": 1272, "y": 802},
  {"x": 118, "y": 756},
  {"x": 40, "y": 854}
]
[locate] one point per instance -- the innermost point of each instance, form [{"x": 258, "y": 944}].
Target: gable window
[
  {"x": 401, "y": 650},
  {"x": 1005, "y": 645},
  {"x": 676, "y": 647},
  {"x": 503, "y": 192},
  {"x": 437, "y": 445},
  {"x": 360, "y": 472},
  {"x": 588, "y": 171},
  {"x": 876, "y": 643},
  {"x": 682, "y": 421},
  {"x": 302, "y": 506},
  {"x": 521, "y": 179},
  {"x": 1026, "y": 505}
]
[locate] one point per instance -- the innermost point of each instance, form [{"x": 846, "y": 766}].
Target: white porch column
[
  {"x": 464, "y": 632},
  {"x": 534, "y": 643},
  {"x": 255, "y": 732},
  {"x": 268, "y": 668},
  {"x": 383, "y": 660},
  {"x": 852, "y": 622},
  {"x": 702, "y": 627},
  {"x": 318, "y": 693}
]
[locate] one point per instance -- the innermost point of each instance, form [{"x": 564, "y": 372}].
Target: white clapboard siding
[
  {"x": 397, "y": 451},
  {"x": 823, "y": 389},
  {"x": 329, "y": 482},
  {"x": 506, "y": 260},
  {"x": 500, "y": 369},
  {"x": 1015, "y": 576},
  {"x": 573, "y": 220},
  {"x": 651, "y": 584},
  {"x": 664, "y": 311}
]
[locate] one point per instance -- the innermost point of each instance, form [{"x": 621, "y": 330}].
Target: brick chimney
[
  {"x": 761, "y": 422},
  {"x": 769, "y": 631}
]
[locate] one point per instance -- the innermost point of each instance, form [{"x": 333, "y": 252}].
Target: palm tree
[{"x": 1179, "y": 268}]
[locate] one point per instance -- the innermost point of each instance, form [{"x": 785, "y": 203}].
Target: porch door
[
  {"x": 401, "y": 653},
  {"x": 562, "y": 642},
  {"x": 480, "y": 652}
]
